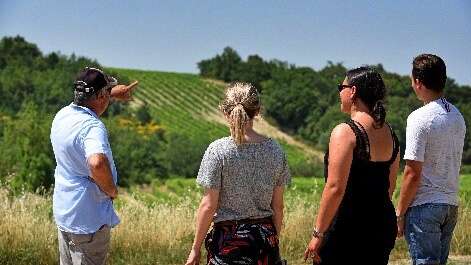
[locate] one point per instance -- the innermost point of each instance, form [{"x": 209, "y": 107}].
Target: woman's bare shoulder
[{"x": 343, "y": 133}]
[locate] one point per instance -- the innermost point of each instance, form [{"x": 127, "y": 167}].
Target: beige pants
[{"x": 86, "y": 249}]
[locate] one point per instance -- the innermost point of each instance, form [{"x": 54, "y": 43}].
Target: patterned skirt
[{"x": 243, "y": 243}]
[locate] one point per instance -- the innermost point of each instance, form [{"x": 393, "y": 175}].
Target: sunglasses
[{"x": 340, "y": 87}]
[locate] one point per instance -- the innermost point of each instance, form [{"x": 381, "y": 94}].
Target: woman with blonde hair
[{"x": 244, "y": 177}]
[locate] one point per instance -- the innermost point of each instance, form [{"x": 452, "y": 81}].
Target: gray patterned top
[{"x": 244, "y": 175}]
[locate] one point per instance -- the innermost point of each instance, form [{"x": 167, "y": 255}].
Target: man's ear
[
  {"x": 101, "y": 94},
  {"x": 418, "y": 84}
]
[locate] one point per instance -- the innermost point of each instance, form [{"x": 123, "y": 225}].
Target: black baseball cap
[{"x": 92, "y": 80}]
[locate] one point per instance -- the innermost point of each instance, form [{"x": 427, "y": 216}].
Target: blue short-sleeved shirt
[{"x": 79, "y": 206}]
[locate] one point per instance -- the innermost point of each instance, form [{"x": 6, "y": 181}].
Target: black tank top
[
  {"x": 364, "y": 227},
  {"x": 367, "y": 190}
]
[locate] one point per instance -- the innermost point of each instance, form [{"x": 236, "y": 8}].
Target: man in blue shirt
[{"x": 85, "y": 175}]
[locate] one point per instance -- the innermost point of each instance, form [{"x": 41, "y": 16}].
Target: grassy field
[
  {"x": 157, "y": 220},
  {"x": 158, "y": 223}
]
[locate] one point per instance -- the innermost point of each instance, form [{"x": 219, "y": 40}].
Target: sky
[{"x": 175, "y": 35}]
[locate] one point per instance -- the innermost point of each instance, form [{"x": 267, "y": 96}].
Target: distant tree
[
  {"x": 143, "y": 114},
  {"x": 210, "y": 68},
  {"x": 292, "y": 94},
  {"x": 223, "y": 67},
  {"x": 333, "y": 72},
  {"x": 230, "y": 61},
  {"x": 254, "y": 71},
  {"x": 16, "y": 50},
  {"x": 183, "y": 154},
  {"x": 25, "y": 74},
  {"x": 16, "y": 86},
  {"x": 138, "y": 155},
  {"x": 318, "y": 127},
  {"x": 229, "y": 67},
  {"x": 27, "y": 158}
]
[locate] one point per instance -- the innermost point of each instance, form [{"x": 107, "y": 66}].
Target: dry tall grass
[
  {"x": 27, "y": 233},
  {"x": 158, "y": 233}
]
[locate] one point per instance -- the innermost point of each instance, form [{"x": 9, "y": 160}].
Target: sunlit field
[{"x": 157, "y": 224}]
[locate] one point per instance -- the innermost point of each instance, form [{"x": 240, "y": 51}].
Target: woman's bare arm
[
  {"x": 342, "y": 143},
  {"x": 277, "y": 207},
  {"x": 204, "y": 217}
]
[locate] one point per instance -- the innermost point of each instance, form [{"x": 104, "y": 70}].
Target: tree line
[
  {"x": 34, "y": 86},
  {"x": 300, "y": 100},
  {"x": 305, "y": 102}
]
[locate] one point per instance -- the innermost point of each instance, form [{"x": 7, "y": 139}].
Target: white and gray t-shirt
[
  {"x": 435, "y": 136},
  {"x": 245, "y": 176}
]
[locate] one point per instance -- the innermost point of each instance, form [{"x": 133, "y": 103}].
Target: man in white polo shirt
[{"x": 427, "y": 208}]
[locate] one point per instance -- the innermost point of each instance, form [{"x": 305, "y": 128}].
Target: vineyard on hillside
[
  {"x": 187, "y": 103},
  {"x": 180, "y": 102}
]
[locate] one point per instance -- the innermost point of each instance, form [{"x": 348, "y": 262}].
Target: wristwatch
[{"x": 317, "y": 234}]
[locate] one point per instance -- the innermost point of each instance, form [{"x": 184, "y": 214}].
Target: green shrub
[
  {"x": 184, "y": 153},
  {"x": 27, "y": 158},
  {"x": 137, "y": 150}
]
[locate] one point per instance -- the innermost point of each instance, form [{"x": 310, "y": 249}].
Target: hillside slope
[{"x": 187, "y": 103}]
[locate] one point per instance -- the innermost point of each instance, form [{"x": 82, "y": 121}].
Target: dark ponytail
[
  {"x": 379, "y": 114},
  {"x": 371, "y": 90}
]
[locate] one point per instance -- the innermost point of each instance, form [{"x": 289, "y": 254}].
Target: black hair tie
[{"x": 379, "y": 113}]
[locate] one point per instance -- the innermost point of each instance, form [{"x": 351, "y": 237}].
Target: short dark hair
[
  {"x": 430, "y": 70},
  {"x": 371, "y": 90}
]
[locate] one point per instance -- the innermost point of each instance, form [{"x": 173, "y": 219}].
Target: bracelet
[{"x": 317, "y": 234}]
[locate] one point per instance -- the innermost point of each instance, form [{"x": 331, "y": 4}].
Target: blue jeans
[{"x": 428, "y": 232}]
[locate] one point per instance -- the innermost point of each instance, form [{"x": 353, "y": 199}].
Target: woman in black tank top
[{"x": 356, "y": 222}]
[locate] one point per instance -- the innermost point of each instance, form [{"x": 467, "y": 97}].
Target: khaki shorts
[{"x": 84, "y": 249}]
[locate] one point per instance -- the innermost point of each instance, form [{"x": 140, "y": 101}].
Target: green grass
[
  {"x": 465, "y": 183},
  {"x": 173, "y": 189}
]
